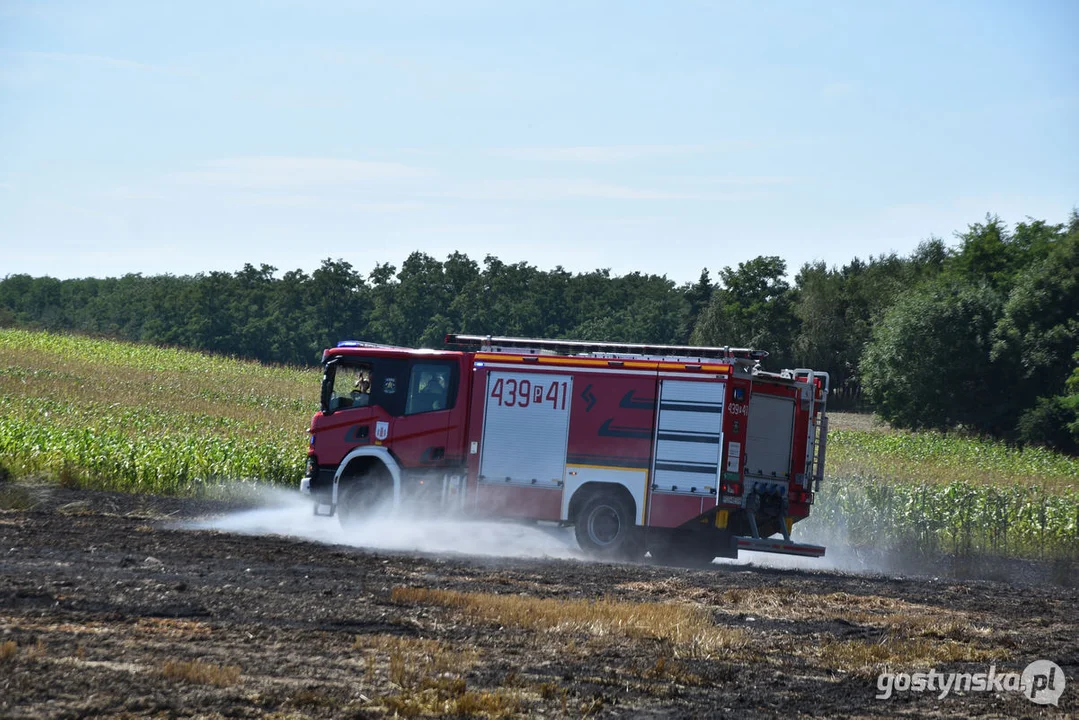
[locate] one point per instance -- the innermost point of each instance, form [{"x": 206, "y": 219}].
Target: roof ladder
[{"x": 535, "y": 346}]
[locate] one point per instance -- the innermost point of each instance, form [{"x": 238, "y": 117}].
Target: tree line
[{"x": 982, "y": 334}]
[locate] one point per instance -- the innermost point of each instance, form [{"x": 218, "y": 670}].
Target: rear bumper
[{"x": 780, "y": 546}]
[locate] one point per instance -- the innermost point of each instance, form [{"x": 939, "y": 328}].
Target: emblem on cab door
[{"x": 382, "y": 430}]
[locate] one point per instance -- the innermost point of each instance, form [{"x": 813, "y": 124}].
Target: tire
[
  {"x": 605, "y": 527},
  {"x": 364, "y": 497}
]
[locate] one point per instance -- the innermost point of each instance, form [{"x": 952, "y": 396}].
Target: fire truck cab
[{"x": 676, "y": 450}]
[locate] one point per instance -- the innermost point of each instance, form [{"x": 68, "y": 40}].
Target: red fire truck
[{"x": 676, "y": 450}]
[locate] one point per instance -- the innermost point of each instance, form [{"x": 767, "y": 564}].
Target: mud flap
[
  {"x": 692, "y": 544},
  {"x": 727, "y": 547}
]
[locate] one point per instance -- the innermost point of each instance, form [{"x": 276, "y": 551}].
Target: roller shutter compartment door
[
  {"x": 689, "y": 433},
  {"x": 769, "y": 437},
  {"x": 525, "y": 428}
]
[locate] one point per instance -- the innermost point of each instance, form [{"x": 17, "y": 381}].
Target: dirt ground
[{"x": 106, "y": 609}]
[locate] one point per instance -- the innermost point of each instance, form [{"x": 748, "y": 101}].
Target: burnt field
[{"x": 109, "y": 608}]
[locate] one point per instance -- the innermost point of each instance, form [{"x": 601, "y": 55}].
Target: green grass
[{"x": 120, "y": 416}]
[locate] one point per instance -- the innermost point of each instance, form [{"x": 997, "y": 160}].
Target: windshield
[
  {"x": 351, "y": 387},
  {"x": 364, "y": 382}
]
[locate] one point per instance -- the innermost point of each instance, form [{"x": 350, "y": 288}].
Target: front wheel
[
  {"x": 605, "y": 527},
  {"x": 364, "y": 497}
]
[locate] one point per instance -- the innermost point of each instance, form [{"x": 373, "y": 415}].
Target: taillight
[
  {"x": 312, "y": 466},
  {"x": 730, "y": 488},
  {"x": 803, "y": 497}
]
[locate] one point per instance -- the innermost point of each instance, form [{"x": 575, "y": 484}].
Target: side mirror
[{"x": 327, "y": 390}]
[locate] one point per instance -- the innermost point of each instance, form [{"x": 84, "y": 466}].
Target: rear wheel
[
  {"x": 605, "y": 527},
  {"x": 364, "y": 496}
]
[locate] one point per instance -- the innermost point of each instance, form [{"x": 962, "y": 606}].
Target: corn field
[
  {"x": 934, "y": 458},
  {"x": 119, "y": 416},
  {"x": 159, "y": 461},
  {"x": 957, "y": 518},
  {"x": 928, "y": 493}
]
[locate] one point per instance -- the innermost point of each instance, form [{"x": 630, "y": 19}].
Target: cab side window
[{"x": 428, "y": 388}]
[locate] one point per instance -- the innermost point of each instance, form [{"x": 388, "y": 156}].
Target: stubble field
[{"x": 108, "y": 608}]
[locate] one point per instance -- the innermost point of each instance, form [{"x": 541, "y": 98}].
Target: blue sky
[{"x": 661, "y": 137}]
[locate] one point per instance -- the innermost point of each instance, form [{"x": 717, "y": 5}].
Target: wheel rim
[
  {"x": 356, "y": 507},
  {"x": 365, "y": 500},
  {"x": 604, "y": 525}
]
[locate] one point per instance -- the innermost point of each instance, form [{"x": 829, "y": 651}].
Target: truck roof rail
[{"x": 494, "y": 343}]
